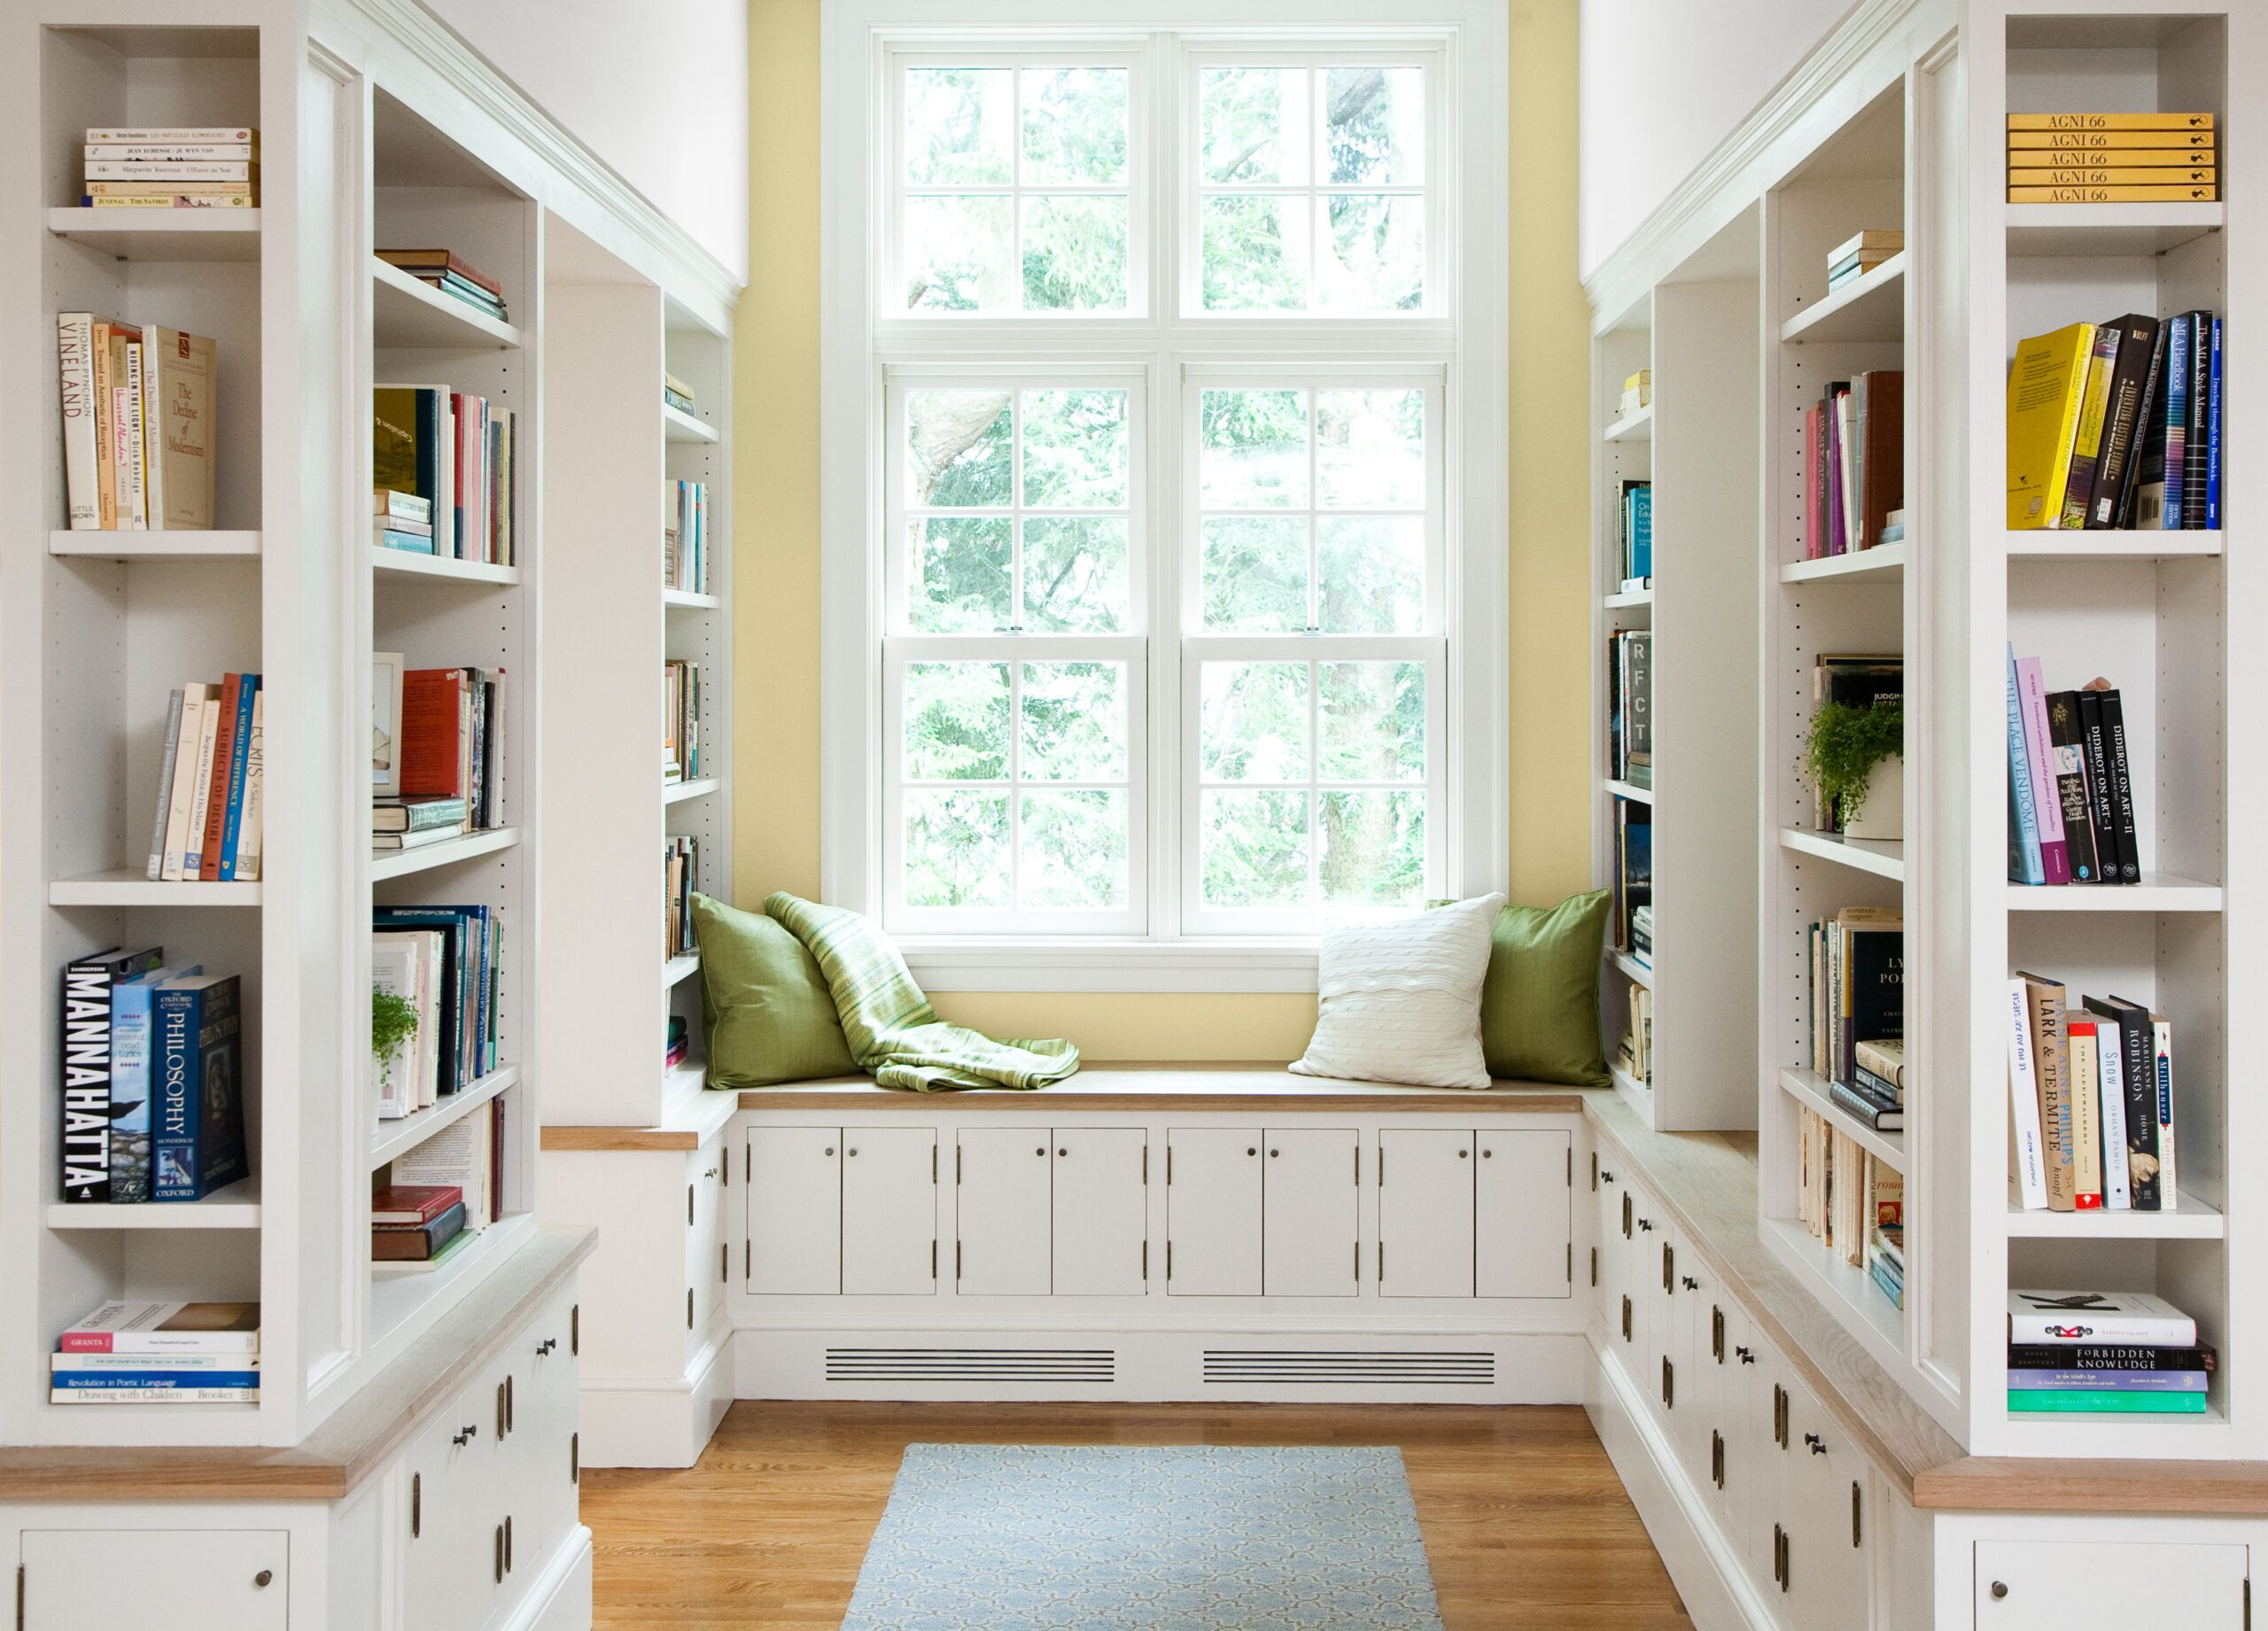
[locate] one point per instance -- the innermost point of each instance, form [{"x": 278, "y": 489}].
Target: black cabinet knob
[
  {"x": 261, "y": 1581},
  {"x": 2000, "y": 1589}
]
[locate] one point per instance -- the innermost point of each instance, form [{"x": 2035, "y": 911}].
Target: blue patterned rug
[{"x": 986, "y": 1537}]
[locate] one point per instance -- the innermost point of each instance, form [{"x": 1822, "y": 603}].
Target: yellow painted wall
[{"x": 775, "y": 476}]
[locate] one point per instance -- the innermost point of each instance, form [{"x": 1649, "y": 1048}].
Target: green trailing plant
[
  {"x": 393, "y": 1021},
  {"x": 1846, "y": 743}
]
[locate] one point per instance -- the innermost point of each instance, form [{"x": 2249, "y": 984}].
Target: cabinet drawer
[
  {"x": 2089, "y": 1586},
  {"x": 183, "y": 1579}
]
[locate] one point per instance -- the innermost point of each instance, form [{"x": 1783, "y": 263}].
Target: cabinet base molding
[
  {"x": 661, "y": 1421},
  {"x": 562, "y": 1600},
  {"x": 1305, "y": 1366}
]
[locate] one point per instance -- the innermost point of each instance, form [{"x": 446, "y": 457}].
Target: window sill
[{"x": 1034, "y": 964}]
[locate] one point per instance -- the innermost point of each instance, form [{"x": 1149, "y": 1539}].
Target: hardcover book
[
  {"x": 196, "y": 1120},
  {"x": 2046, "y": 386},
  {"x": 2097, "y": 1317},
  {"x": 166, "y": 1328},
  {"x": 86, "y": 1067}
]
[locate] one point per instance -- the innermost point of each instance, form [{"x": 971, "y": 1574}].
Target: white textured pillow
[{"x": 1399, "y": 997}]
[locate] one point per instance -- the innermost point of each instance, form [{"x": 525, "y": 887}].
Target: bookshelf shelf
[
  {"x": 2112, "y": 546},
  {"x": 236, "y": 1206},
  {"x": 686, "y": 600},
  {"x": 1809, "y": 1090},
  {"x": 1638, "y": 427},
  {"x": 2156, "y": 892},
  {"x": 1629, "y": 1083},
  {"x": 1630, "y": 791},
  {"x": 128, "y": 887},
  {"x": 408, "y": 315},
  {"x": 117, "y": 546},
  {"x": 2121, "y": 230},
  {"x": 1884, "y": 561},
  {"x": 401, "y": 863},
  {"x": 2192, "y": 1220},
  {"x": 437, "y": 569},
  {"x": 1623, "y": 600},
  {"x": 677, "y": 792},
  {"x": 1867, "y": 310},
  {"x": 1846, "y": 1289},
  {"x": 680, "y": 968},
  {"x": 1630, "y": 969},
  {"x": 1883, "y": 858},
  {"x": 404, "y": 1299},
  {"x": 160, "y": 235},
  {"x": 397, "y": 1138},
  {"x": 679, "y": 426}
]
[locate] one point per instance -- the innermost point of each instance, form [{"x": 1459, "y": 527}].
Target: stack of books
[
  {"x": 447, "y": 756},
  {"x": 402, "y": 520},
  {"x": 1636, "y": 534},
  {"x": 1634, "y": 869},
  {"x": 152, "y": 1068},
  {"x": 2091, "y": 1101},
  {"x": 685, "y": 536},
  {"x": 1630, "y": 706},
  {"x": 677, "y": 393},
  {"x": 681, "y": 752},
  {"x": 677, "y": 1045},
  {"x": 1850, "y": 1203},
  {"x": 1642, "y": 935},
  {"x": 2112, "y": 159},
  {"x": 159, "y": 1352},
  {"x": 2071, "y": 784},
  {"x": 1849, "y": 261},
  {"x": 1858, "y": 995},
  {"x": 137, "y": 424},
  {"x": 446, "y": 962},
  {"x": 416, "y": 1222},
  {"x": 208, "y": 820},
  {"x": 681, "y": 876},
  {"x": 1886, "y": 1254},
  {"x": 460, "y": 454},
  {"x": 2118, "y": 425},
  {"x": 2091, "y": 1352},
  {"x": 1875, "y": 1091},
  {"x": 1855, "y": 463},
  {"x": 1637, "y": 393},
  {"x": 453, "y": 275},
  {"x": 413, "y": 823},
  {"x": 183, "y": 167},
  {"x": 1635, "y": 1051}
]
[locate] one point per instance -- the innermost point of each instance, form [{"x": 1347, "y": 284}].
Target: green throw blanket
[{"x": 894, "y": 1034}]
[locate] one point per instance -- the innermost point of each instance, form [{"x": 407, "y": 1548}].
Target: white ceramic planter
[{"x": 1884, "y": 815}]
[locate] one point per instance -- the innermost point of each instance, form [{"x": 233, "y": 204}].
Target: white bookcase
[
  {"x": 378, "y": 128},
  {"x": 1898, "y": 120}
]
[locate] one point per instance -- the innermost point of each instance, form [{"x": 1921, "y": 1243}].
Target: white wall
[
  {"x": 1662, "y": 82},
  {"x": 658, "y": 88}
]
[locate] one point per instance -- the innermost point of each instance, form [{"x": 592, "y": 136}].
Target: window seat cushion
[{"x": 768, "y": 1013}]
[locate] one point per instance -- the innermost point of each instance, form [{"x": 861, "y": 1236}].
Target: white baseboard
[
  {"x": 562, "y": 1600},
  {"x": 1333, "y": 1367},
  {"x": 657, "y": 1421},
  {"x": 1703, "y": 1562}
]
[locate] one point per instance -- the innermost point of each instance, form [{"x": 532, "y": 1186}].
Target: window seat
[{"x": 1195, "y": 1086}]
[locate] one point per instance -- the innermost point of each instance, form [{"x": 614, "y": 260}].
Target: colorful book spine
[
  {"x": 2077, "y": 1402},
  {"x": 2176, "y": 399},
  {"x": 2110, "y": 1381},
  {"x": 239, "y": 762},
  {"x": 2047, "y": 801},
  {"x": 2213, "y": 435},
  {"x": 2025, "y": 861},
  {"x": 2111, "y": 1095},
  {"x": 2024, "y": 1103}
]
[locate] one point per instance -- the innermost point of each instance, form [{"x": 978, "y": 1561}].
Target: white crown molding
[
  {"x": 437, "y": 49},
  {"x": 1684, "y": 219}
]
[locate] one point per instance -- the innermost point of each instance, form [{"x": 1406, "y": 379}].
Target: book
[
  {"x": 1879, "y": 399},
  {"x": 412, "y": 543},
  {"x": 1885, "y": 1057},
  {"x": 2162, "y": 1083},
  {"x": 2073, "y": 1317},
  {"x": 2085, "y": 1401},
  {"x": 460, "y": 1155},
  {"x": 2180, "y": 153},
  {"x": 2046, "y": 385},
  {"x": 441, "y": 260},
  {"x": 413, "y": 1203},
  {"x": 134, "y": 1079},
  {"x": 166, "y": 1328},
  {"x": 147, "y": 1378},
  {"x": 2094, "y": 175},
  {"x": 408, "y": 965},
  {"x": 413, "y": 450},
  {"x": 2047, "y": 801},
  {"x": 181, "y": 802},
  {"x": 417, "y": 815},
  {"x": 2109, "y": 1090},
  {"x": 218, "y": 863},
  {"x": 2212, "y": 517},
  {"x": 2028, "y": 1151},
  {"x": 165, "y": 201},
  {"x": 133, "y": 439},
  {"x": 2087, "y": 437},
  {"x": 2025, "y": 863},
  {"x": 2109, "y": 1381},
  {"x": 2052, "y": 1072},
  {"x": 85, "y": 1067},
  {"x": 381, "y": 843},
  {"x": 2194, "y": 450},
  {"x": 2157, "y": 503},
  {"x": 416, "y": 1242},
  {"x": 2138, "y": 1076},
  {"x": 1848, "y": 1098},
  {"x": 436, "y": 733},
  {"x": 1874, "y": 1088},
  {"x": 1815, "y": 540},
  {"x": 169, "y": 745},
  {"x": 1637, "y": 529},
  {"x": 154, "y": 1395},
  {"x": 173, "y": 1362},
  {"x": 251, "y": 832},
  {"x": 2067, "y": 773},
  {"x": 2184, "y": 193},
  {"x": 2085, "y": 140},
  {"x": 388, "y": 1268},
  {"x": 197, "y": 1119},
  {"x": 74, "y": 339},
  {"x": 2114, "y": 1357},
  {"x": 2120, "y": 778},
  {"x": 200, "y": 786},
  {"x": 2086, "y": 1122},
  {"x": 2102, "y": 817},
  {"x": 1846, "y": 519},
  {"x": 180, "y": 376},
  {"x": 2110, "y": 121}
]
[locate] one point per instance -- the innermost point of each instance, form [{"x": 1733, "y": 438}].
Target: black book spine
[
  {"x": 1881, "y": 1092},
  {"x": 2138, "y": 1062},
  {"x": 86, "y": 1063},
  {"x": 1860, "y": 1107},
  {"x": 2129, "y": 389},
  {"x": 2103, "y": 818},
  {"x": 2147, "y": 461},
  {"x": 2193, "y": 449},
  {"x": 2122, "y": 786},
  {"x": 2107, "y": 1357},
  {"x": 2066, "y": 738},
  {"x": 1614, "y": 759}
]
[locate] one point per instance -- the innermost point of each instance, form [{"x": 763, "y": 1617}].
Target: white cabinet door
[
  {"x": 1000, "y": 1185},
  {"x": 889, "y": 1211},
  {"x": 448, "y": 1484},
  {"x": 1425, "y": 1213},
  {"x": 795, "y": 1210},
  {"x": 707, "y": 1264},
  {"x": 2089, "y": 1586},
  {"x": 1308, "y": 1213},
  {"x": 183, "y": 1579},
  {"x": 1212, "y": 1210},
  {"x": 1523, "y": 1221},
  {"x": 1101, "y": 1212},
  {"x": 1825, "y": 1512}
]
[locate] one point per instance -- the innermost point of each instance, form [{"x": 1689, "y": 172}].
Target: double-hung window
[{"x": 1163, "y": 561}]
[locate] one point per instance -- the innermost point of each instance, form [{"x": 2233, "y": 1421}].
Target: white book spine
[
  {"x": 169, "y": 152},
  {"x": 2110, "y": 1087},
  {"x": 2023, "y": 1102},
  {"x": 154, "y": 1395},
  {"x": 248, "y": 824},
  {"x": 153, "y": 424},
  {"x": 75, "y": 340},
  {"x": 105, "y": 136},
  {"x": 200, "y": 792},
  {"x": 136, "y": 466},
  {"x": 168, "y": 1363},
  {"x": 2162, "y": 1061},
  {"x": 194, "y": 702},
  {"x": 161, "y": 172},
  {"x": 164, "y": 800}
]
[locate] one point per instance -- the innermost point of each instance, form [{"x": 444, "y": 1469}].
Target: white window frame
[{"x": 1463, "y": 333}]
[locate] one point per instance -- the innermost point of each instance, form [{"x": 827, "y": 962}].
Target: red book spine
[
  {"x": 433, "y": 718},
  {"x": 216, "y": 811},
  {"x": 1814, "y": 483}
]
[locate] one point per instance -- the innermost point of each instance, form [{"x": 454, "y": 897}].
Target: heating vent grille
[
  {"x": 971, "y": 1364},
  {"x": 1386, "y": 1368}
]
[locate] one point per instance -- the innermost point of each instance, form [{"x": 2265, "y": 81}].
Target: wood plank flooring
[{"x": 1525, "y": 1526}]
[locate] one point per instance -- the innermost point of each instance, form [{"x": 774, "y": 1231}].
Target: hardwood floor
[{"x": 1526, "y": 1525}]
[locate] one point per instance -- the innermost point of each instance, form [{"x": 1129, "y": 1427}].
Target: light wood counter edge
[
  {"x": 1236, "y": 1088},
  {"x": 348, "y": 1448},
  {"x": 2031, "y": 1484}
]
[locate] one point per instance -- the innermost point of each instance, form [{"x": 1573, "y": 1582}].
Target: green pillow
[
  {"x": 769, "y": 1018},
  {"x": 1539, "y": 1002}
]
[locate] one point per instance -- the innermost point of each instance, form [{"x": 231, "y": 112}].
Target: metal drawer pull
[
  {"x": 465, "y": 1436},
  {"x": 261, "y": 1581}
]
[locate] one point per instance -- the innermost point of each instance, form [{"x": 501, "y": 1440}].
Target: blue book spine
[
  {"x": 154, "y": 1379},
  {"x": 2213, "y": 437},
  {"x": 1890, "y": 1288},
  {"x": 174, "y": 1113},
  {"x": 416, "y": 543},
  {"x": 2025, "y": 862},
  {"x": 1642, "y": 532},
  {"x": 2176, "y": 418},
  {"x": 2113, "y": 1381},
  {"x": 129, "y": 1087},
  {"x": 239, "y": 760}
]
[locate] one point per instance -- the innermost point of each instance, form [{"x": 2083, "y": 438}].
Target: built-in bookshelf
[{"x": 1910, "y": 135}]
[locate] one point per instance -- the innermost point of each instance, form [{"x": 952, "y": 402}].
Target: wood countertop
[
  {"x": 1234, "y": 1088},
  {"x": 348, "y": 1448}
]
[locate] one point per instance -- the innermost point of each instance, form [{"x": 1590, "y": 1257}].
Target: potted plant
[
  {"x": 1856, "y": 759},
  {"x": 393, "y": 1021}
]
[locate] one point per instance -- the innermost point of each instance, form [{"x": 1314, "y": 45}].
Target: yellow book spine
[
  {"x": 2074, "y": 176},
  {"x": 2110, "y": 138},
  {"x": 171, "y": 200},
  {"x": 2205, "y": 194},
  {"x": 2150, "y": 158},
  {"x": 2087, "y": 441},
  {"x": 2046, "y": 383},
  {"x": 2110, "y": 121}
]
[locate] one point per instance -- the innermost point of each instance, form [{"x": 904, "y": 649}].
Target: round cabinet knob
[
  {"x": 1064, "y": 1152},
  {"x": 829, "y": 1151},
  {"x": 1460, "y": 1154},
  {"x": 2000, "y": 1589},
  {"x": 261, "y": 1581},
  {"x": 1272, "y": 1155},
  {"x": 1488, "y": 1155},
  {"x": 1252, "y": 1151},
  {"x": 850, "y": 1151}
]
